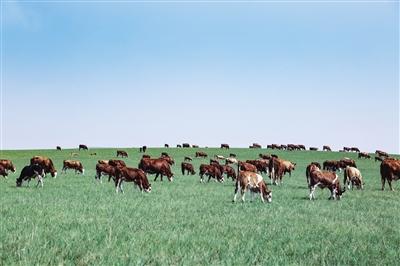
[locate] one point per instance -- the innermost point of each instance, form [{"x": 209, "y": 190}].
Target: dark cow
[
  {"x": 255, "y": 146},
  {"x": 105, "y": 169},
  {"x": 347, "y": 162},
  {"x": 3, "y": 171},
  {"x": 325, "y": 179},
  {"x": 313, "y": 149},
  {"x": 143, "y": 149},
  {"x": 137, "y": 176},
  {"x": 46, "y": 164},
  {"x": 390, "y": 171},
  {"x": 164, "y": 154},
  {"x": 355, "y": 149},
  {"x": 201, "y": 154},
  {"x": 188, "y": 167},
  {"x": 326, "y": 148},
  {"x": 381, "y": 153},
  {"x": 166, "y": 145},
  {"x": 261, "y": 165},
  {"x": 185, "y": 145},
  {"x": 346, "y": 149},
  {"x": 212, "y": 171},
  {"x": 187, "y": 159},
  {"x": 117, "y": 163},
  {"x": 229, "y": 171},
  {"x": 317, "y": 164},
  {"x": 72, "y": 164},
  {"x": 364, "y": 155},
  {"x": 195, "y": 146},
  {"x": 146, "y": 156},
  {"x": 83, "y": 147},
  {"x": 8, "y": 165},
  {"x": 253, "y": 182},
  {"x": 58, "y": 148},
  {"x": 301, "y": 147},
  {"x": 29, "y": 172},
  {"x": 332, "y": 165},
  {"x": 247, "y": 167},
  {"x": 156, "y": 166},
  {"x": 179, "y": 146},
  {"x": 378, "y": 158},
  {"x": 224, "y": 146},
  {"x": 122, "y": 154},
  {"x": 232, "y": 155}
]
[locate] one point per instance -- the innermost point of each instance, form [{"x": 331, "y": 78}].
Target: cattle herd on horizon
[{"x": 247, "y": 175}]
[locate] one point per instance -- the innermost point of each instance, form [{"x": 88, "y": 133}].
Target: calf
[
  {"x": 363, "y": 155},
  {"x": 201, "y": 154},
  {"x": 71, "y": 164},
  {"x": 188, "y": 167},
  {"x": 137, "y": 176},
  {"x": 29, "y": 172},
  {"x": 253, "y": 182},
  {"x": 324, "y": 179},
  {"x": 352, "y": 176}
]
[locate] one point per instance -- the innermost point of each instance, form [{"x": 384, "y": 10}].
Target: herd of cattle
[{"x": 246, "y": 174}]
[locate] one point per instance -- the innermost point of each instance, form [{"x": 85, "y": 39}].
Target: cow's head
[{"x": 19, "y": 182}]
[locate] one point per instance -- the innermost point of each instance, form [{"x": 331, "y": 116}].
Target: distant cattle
[
  {"x": 8, "y": 165},
  {"x": 137, "y": 176},
  {"x": 346, "y": 149},
  {"x": 253, "y": 182},
  {"x": 390, "y": 171},
  {"x": 302, "y": 147},
  {"x": 353, "y": 177},
  {"x": 355, "y": 149},
  {"x": 188, "y": 167},
  {"x": 58, "y": 148},
  {"x": 364, "y": 155},
  {"x": 83, "y": 147},
  {"x": 195, "y": 146},
  {"x": 166, "y": 145},
  {"x": 326, "y": 148},
  {"x": 29, "y": 172},
  {"x": 201, "y": 154},
  {"x": 71, "y": 164},
  {"x": 313, "y": 149},
  {"x": 187, "y": 158},
  {"x": 156, "y": 166},
  {"x": 224, "y": 146},
  {"x": 105, "y": 169},
  {"x": 381, "y": 153},
  {"x": 185, "y": 145},
  {"x": 122, "y": 154},
  {"x": 232, "y": 155},
  {"x": 324, "y": 179},
  {"x": 317, "y": 164},
  {"x": 93, "y": 154},
  {"x": 179, "y": 146},
  {"x": 212, "y": 171},
  {"x": 143, "y": 149},
  {"x": 255, "y": 146},
  {"x": 46, "y": 164}
]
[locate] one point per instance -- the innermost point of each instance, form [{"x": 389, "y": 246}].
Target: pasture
[{"x": 75, "y": 220}]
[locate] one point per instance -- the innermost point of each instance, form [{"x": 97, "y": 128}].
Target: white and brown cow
[
  {"x": 352, "y": 176},
  {"x": 8, "y": 165},
  {"x": 72, "y": 164},
  {"x": 253, "y": 182},
  {"x": 324, "y": 179}
]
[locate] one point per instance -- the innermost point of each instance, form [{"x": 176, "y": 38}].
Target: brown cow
[
  {"x": 46, "y": 164},
  {"x": 224, "y": 146},
  {"x": 325, "y": 179},
  {"x": 72, "y": 164},
  {"x": 261, "y": 165},
  {"x": 169, "y": 159},
  {"x": 264, "y": 156},
  {"x": 363, "y": 155},
  {"x": 347, "y": 162},
  {"x": 332, "y": 165},
  {"x": 278, "y": 168},
  {"x": 317, "y": 164},
  {"x": 212, "y": 171},
  {"x": 188, "y": 167},
  {"x": 326, "y": 148},
  {"x": 229, "y": 171},
  {"x": 352, "y": 176},
  {"x": 390, "y": 171},
  {"x": 122, "y": 154},
  {"x": 137, "y": 176},
  {"x": 116, "y": 163},
  {"x": 381, "y": 153},
  {"x": 156, "y": 166},
  {"x": 247, "y": 167},
  {"x": 187, "y": 159},
  {"x": 253, "y": 182},
  {"x": 3, "y": 171},
  {"x": 104, "y": 169},
  {"x": 201, "y": 154},
  {"x": 8, "y": 165}
]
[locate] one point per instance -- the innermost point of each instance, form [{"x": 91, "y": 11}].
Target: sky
[{"x": 127, "y": 74}]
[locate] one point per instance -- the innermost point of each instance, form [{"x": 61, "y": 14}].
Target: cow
[
  {"x": 185, "y": 145},
  {"x": 93, "y": 154},
  {"x": 188, "y": 159},
  {"x": 352, "y": 176},
  {"x": 283, "y": 147},
  {"x": 8, "y": 165},
  {"x": 3, "y": 171},
  {"x": 201, "y": 154},
  {"x": 381, "y": 153},
  {"x": 355, "y": 149},
  {"x": 346, "y": 149},
  {"x": 122, "y": 154},
  {"x": 364, "y": 155},
  {"x": 117, "y": 163},
  {"x": 332, "y": 165},
  {"x": 231, "y": 160},
  {"x": 278, "y": 168},
  {"x": 146, "y": 156},
  {"x": 103, "y": 161},
  {"x": 229, "y": 171},
  {"x": 169, "y": 160},
  {"x": 325, "y": 179},
  {"x": 104, "y": 169},
  {"x": 301, "y": 147},
  {"x": 29, "y": 172},
  {"x": 247, "y": 167},
  {"x": 212, "y": 171},
  {"x": 347, "y": 162},
  {"x": 188, "y": 167},
  {"x": 46, "y": 164},
  {"x": 165, "y": 154},
  {"x": 143, "y": 149},
  {"x": 313, "y": 149},
  {"x": 264, "y": 156},
  {"x": 213, "y": 161},
  {"x": 378, "y": 158},
  {"x": 166, "y": 146},
  {"x": 224, "y": 146},
  {"x": 232, "y": 155},
  {"x": 261, "y": 165},
  {"x": 178, "y": 145},
  {"x": 255, "y": 146},
  {"x": 253, "y": 182},
  {"x": 156, "y": 166},
  {"x": 72, "y": 164},
  {"x": 317, "y": 164},
  {"x": 390, "y": 171},
  {"x": 58, "y": 148},
  {"x": 137, "y": 176},
  {"x": 83, "y": 147},
  {"x": 195, "y": 146},
  {"x": 326, "y": 148}
]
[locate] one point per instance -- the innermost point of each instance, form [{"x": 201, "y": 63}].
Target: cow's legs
[
  {"x": 312, "y": 191},
  {"x": 237, "y": 189},
  {"x": 117, "y": 183},
  {"x": 243, "y": 192},
  {"x": 40, "y": 181},
  {"x": 156, "y": 177},
  {"x": 262, "y": 196},
  {"x": 390, "y": 184},
  {"x": 383, "y": 180}
]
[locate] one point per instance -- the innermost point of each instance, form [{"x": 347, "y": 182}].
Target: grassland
[{"x": 74, "y": 220}]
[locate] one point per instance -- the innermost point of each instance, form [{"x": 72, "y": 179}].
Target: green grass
[{"x": 74, "y": 220}]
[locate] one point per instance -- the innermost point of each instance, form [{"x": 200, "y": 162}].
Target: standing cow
[{"x": 83, "y": 147}]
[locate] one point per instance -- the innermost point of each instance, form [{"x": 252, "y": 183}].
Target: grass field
[{"x": 74, "y": 220}]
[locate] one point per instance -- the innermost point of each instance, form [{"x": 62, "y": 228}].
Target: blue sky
[{"x": 129, "y": 74}]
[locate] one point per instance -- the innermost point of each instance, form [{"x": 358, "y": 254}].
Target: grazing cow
[
  {"x": 313, "y": 149},
  {"x": 169, "y": 160},
  {"x": 269, "y": 146},
  {"x": 378, "y": 158},
  {"x": 317, "y": 164},
  {"x": 332, "y": 165},
  {"x": 212, "y": 171},
  {"x": 179, "y": 146},
  {"x": 58, "y": 148},
  {"x": 195, "y": 146},
  {"x": 264, "y": 156},
  {"x": 8, "y": 165},
  {"x": 231, "y": 160},
  {"x": 352, "y": 176},
  {"x": 232, "y": 155},
  {"x": 229, "y": 171},
  {"x": 325, "y": 179},
  {"x": 187, "y": 159},
  {"x": 103, "y": 161},
  {"x": 143, "y": 149},
  {"x": 283, "y": 147},
  {"x": 166, "y": 146},
  {"x": 355, "y": 149},
  {"x": 137, "y": 176},
  {"x": 104, "y": 169},
  {"x": 255, "y": 146},
  {"x": 3, "y": 171},
  {"x": 346, "y": 149},
  {"x": 185, "y": 145},
  {"x": 224, "y": 146},
  {"x": 261, "y": 165},
  {"x": 83, "y": 147},
  {"x": 188, "y": 167},
  {"x": 253, "y": 182},
  {"x": 46, "y": 164},
  {"x": 156, "y": 166},
  {"x": 326, "y": 148},
  {"x": 363, "y": 155},
  {"x": 247, "y": 167},
  {"x": 71, "y": 164},
  {"x": 146, "y": 156},
  {"x": 29, "y": 172},
  {"x": 381, "y": 153},
  {"x": 278, "y": 168},
  {"x": 201, "y": 154},
  {"x": 117, "y": 163},
  {"x": 390, "y": 171},
  {"x": 122, "y": 154},
  {"x": 347, "y": 162},
  {"x": 301, "y": 147}
]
